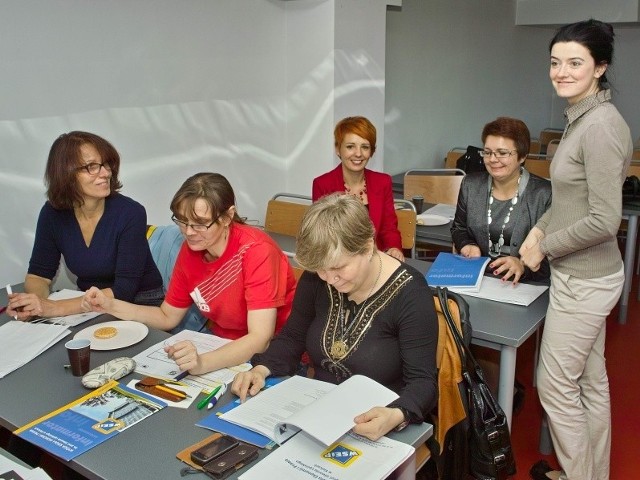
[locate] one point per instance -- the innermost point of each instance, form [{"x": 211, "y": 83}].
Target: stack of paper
[
  {"x": 12, "y": 470},
  {"x": 455, "y": 271},
  {"x": 21, "y": 342}
]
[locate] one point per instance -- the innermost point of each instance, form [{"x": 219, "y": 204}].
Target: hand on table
[
  {"x": 470, "y": 251},
  {"x": 509, "y": 266},
  {"x": 377, "y": 422},
  {"x": 95, "y": 300},
  {"x": 249, "y": 383},
  {"x": 23, "y": 306},
  {"x": 186, "y": 356},
  {"x": 396, "y": 253}
]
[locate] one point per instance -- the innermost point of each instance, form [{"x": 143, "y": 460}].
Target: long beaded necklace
[
  {"x": 339, "y": 347},
  {"x": 496, "y": 248},
  {"x": 361, "y": 193}
]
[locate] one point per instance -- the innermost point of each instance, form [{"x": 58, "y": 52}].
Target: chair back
[
  {"x": 548, "y": 134},
  {"x": 538, "y": 165},
  {"x": 439, "y": 185},
  {"x": 636, "y": 154},
  {"x": 407, "y": 222},
  {"x": 552, "y": 147},
  {"x": 284, "y": 216},
  {"x": 452, "y": 157},
  {"x": 534, "y": 146}
]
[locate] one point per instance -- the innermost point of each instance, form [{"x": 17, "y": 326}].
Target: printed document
[
  {"x": 154, "y": 361},
  {"x": 323, "y": 410},
  {"x": 493, "y": 288},
  {"x": 352, "y": 457}
]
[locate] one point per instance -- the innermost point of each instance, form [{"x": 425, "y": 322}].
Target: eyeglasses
[
  {"x": 486, "y": 154},
  {"x": 94, "y": 168},
  {"x": 195, "y": 227}
]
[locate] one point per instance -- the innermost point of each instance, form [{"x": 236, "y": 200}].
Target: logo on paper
[
  {"x": 341, "y": 454},
  {"x": 108, "y": 425}
]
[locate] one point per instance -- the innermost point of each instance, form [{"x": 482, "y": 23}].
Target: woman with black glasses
[
  {"x": 236, "y": 275},
  {"x": 99, "y": 232},
  {"x": 497, "y": 208}
]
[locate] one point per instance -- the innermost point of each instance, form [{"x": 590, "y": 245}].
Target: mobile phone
[{"x": 213, "y": 449}]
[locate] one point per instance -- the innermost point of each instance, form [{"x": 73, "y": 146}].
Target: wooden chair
[
  {"x": 285, "y": 217},
  {"x": 538, "y": 165},
  {"x": 551, "y": 148},
  {"x": 452, "y": 157},
  {"x": 297, "y": 271},
  {"x": 438, "y": 185},
  {"x": 407, "y": 221},
  {"x": 534, "y": 146},
  {"x": 636, "y": 154},
  {"x": 548, "y": 134}
]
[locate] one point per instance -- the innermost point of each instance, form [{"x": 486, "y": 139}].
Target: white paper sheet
[
  {"x": 8, "y": 465},
  {"x": 499, "y": 291},
  {"x": 155, "y": 362},
  {"x": 21, "y": 342},
  {"x": 442, "y": 209},
  {"x": 70, "y": 320}
]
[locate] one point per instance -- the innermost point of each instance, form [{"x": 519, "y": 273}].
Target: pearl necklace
[
  {"x": 496, "y": 248},
  {"x": 340, "y": 347}
]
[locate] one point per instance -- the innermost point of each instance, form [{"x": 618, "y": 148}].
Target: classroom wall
[
  {"x": 454, "y": 65},
  {"x": 247, "y": 88}
]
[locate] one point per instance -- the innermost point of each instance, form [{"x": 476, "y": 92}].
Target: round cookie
[{"x": 105, "y": 332}]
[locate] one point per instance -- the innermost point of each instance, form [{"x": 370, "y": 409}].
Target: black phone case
[
  {"x": 228, "y": 462},
  {"x": 213, "y": 450}
]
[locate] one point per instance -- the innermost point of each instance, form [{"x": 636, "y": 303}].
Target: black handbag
[
  {"x": 490, "y": 453},
  {"x": 471, "y": 161},
  {"x": 631, "y": 189}
]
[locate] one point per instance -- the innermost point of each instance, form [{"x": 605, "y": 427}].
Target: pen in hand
[
  {"x": 216, "y": 397},
  {"x": 10, "y": 292}
]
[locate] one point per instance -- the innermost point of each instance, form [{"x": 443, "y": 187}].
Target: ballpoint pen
[
  {"x": 10, "y": 292},
  {"x": 181, "y": 375},
  {"x": 205, "y": 401},
  {"x": 216, "y": 397}
]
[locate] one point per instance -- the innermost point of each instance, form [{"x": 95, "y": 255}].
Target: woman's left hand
[
  {"x": 396, "y": 253},
  {"x": 509, "y": 266},
  {"x": 185, "y": 355},
  {"x": 377, "y": 422}
]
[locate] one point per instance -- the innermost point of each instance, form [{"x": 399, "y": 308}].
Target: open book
[
  {"x": 455, "y": 271},
  {"x": 323, "y": 410},
  {"x": 314, "y": 418}
]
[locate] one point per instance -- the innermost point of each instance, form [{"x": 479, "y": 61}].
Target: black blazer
[{"x": 470, "y": 222}]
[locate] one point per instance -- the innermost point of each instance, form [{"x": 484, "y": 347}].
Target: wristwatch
[{"x": 405, "y": 422}]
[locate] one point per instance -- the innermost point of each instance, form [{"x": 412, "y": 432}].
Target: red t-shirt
[{"x": 252, "y": 274}]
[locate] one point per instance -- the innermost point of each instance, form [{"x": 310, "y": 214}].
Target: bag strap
[{"x": 463, "y": 350}]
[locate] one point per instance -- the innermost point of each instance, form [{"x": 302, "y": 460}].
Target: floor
[{"x": 623, "y": 358}]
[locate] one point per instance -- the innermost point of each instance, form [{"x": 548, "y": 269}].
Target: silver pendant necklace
[{"x": 496, "y": 248}]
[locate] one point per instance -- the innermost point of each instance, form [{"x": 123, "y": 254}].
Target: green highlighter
[{"x": 205, "y": 401}]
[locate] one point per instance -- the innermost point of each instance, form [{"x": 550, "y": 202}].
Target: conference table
[
  {"x": 148, "y": 449},
  {"x": 630, "y": 210}
]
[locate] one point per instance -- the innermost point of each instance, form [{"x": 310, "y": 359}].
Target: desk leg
[
  {"x": 507, "y": 378},
  {"x": 629, "y": 260},
  {"x": 407, "y": 470}
]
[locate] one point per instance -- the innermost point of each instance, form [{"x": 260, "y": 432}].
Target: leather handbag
[{"x": 490, "y": 453}]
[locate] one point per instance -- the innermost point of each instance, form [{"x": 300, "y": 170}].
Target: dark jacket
[{"x": 470, "y": 222}]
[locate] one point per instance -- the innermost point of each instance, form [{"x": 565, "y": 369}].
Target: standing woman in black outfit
[{"x": 359, "y": 311}]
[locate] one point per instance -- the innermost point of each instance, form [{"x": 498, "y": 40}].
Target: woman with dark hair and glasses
[
  {"x": 99, "y": 232},
  {"x": 496, "y": 209},
  {"x": 236, "y": 275},
  {"x": 578, "y": 236}
]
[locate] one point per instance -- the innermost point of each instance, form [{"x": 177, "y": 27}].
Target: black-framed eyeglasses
[
  {"x": 94, "y": 168},
  {"x": 486, "y": 154},
  {"x": 197, "y": 227}
]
